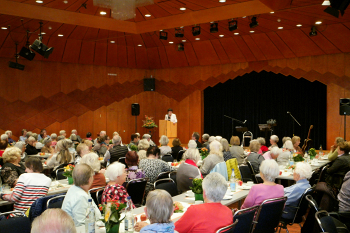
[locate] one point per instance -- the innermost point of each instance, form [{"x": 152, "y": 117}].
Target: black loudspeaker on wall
[
  {"x": 135, "y": 109},
  {"x": 149, "y": 84},
  {"x": 344, "y": 106}
]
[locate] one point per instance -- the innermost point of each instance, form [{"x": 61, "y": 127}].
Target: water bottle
[
  {"x": 129, "y": 216},
  {"x": 233, "y": 181},
  {"x": 90, "y": 218},
  {"x": 320, "y": 153}
]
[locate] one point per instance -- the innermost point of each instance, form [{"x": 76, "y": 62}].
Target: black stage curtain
[{"x": 257, "y": 97}]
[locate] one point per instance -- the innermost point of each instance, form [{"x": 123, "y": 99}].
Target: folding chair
[
  {"x": 55, "y": 202},
  {"x": 15, "y": 225},
  {"x": 93, "y": 193},
  {"x": 245, "y": 217},
  {"x": 163, "y": 175},
  {"x": 228, "y": 229},
  {"x": 59, "y": 174},
  {"x": 136, "y": 189},
  {"x": 168, "y": 185}
]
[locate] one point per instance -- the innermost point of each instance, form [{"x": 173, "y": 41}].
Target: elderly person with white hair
[
  {"x": 9, "y": 135},
  {"x": 4, "y": 137},
  {"x": 116, "y": 150},
  {"x": 142, "y": 147},
  {"x": 92, "y": 160},
  {"x": 12, "y": 167},
  {"x": 114, "y": 190},
  {"x": 269, "y": 170},
  {"x": 254, "y": 158},
  {"x": 210, "y": 216},
  {"x": 23, "y": 138},
  {"x": 283, "y": 158},
  {"x": 30, "y": 148},
  {"x": 148, "y": 137},
  {"x": 47, "y": 146},
  {"x": 82, "y": 149},
  {"x": 205, "y": 140},
  {"x": 188, "y": 170},
  {"x": 63, "y": 133},
  {"x": 192, "y": 144},
  {"x": 164, "y": 149},
  {"x": 22, "y": 146},
  {"x": 74, "y": 131},
  {"x": 302, "y": 173},
  {"x": 53, "y": 220},
  {"x": 263, "y": 148},
  {"x": 54, "y": 140},
  {"x": 273, "y": 153},
  {"x": 76, "y": 201},
  {"x": 273, "y": 141},
  {"x": 215, "y": 156},
  {"x": 159, "y": 208}
]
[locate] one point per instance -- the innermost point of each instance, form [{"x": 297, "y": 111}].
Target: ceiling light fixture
[
  {"x": 221, "y": 35},
  {"x": 163, "y": 35},
  {"x": 147, "y": 15},
  {"x": 65, "y": 2},
  {"x": 280, "y": 27},
  {"x": 180, "y": 47},
  {"x": 60, "y": 35},
  {"x": 299, "y": 25},
  {"x": 182, "y": 8},
  {"x": 236, "y": 33},
  {"x": 41, "y": 48},
  {"x": 179, "y": 32},
  {"x": 196, "y": 30},
  {"x": 251, "y": 31},
  {"x": 318, "y": 22},
  {"x": 3, "y": 28},
  {"x": 43, "y": 33},
  {"x": 313, "y": 31},
  {"x": 112, "y": 41},
  {"x": 214, "y": 28},
  {"x": 254, "y": 23},
  {"x": 222, "y": 0},
  {"x": 183, "y": 41},
  {"x": 198, "y": 38},
  {"x": 140, "y": 45},
  {"x": 16, "y": 65},
  {"x": 171, "y": 42},
  {"x": 25, "y": 51},
  {"x": 272, "y": 12},
  {"x": 232, "y": 25},
  {"x": 103, "y": 13},
  {"x": 326, "y": 3},
  {"x": 39, "y": 1}
]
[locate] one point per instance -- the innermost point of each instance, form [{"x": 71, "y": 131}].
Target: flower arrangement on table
[
  {"x": 149, "y": 122},
  {"x": 298, "y": 157},
  {"x": 204, "y": 153},
  {"x": 312, "y": 153},
  {"x": 197, "y": 188},
  {"x": 112, "y": 215},
  {"x": 133, "y": 147},
  {"x": 178, "y": 207},
  {"x": 291, "y": 167},
  {"x": 68, "y": 172}
]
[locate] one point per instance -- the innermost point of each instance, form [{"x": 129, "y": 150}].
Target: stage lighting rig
[{"x": 41, "y": 48}]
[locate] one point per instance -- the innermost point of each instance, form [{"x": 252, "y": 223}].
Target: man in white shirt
[{"x": 171, "y": 116}]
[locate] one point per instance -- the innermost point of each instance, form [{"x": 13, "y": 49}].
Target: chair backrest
[
  {"x": 93, "y": 193},
  {"x": 136, "y": 189},
  {"x": 172, "y": 175},
  {"x": 59, "y": 174},
  {"x": 245, "y": 173},
  {"x": 325, "y": 222},
  {"x": 55, "y": 202},
  {"x": 302, "y": 206},
  {"x": 228, "y": 229},
  {"x": 122, "y": 160},
  {"x": 246, "y": 134},
  {"x": 180, "y": 154},
  {"x": 245, "y": 217},
  {"x": 163, "y": 175},
  {"x": 252, "y": 172},
  {"x": 168, "y": 158},
  {"x": 168, "y": 185},
  {"x": 99, "y": 196},
  {"x": 15, "y": 225},
  {"x": 221, "y": 168},
  {"x": 323, "y": 172},
  {"x": 269, "y": 214},
  {"x": 312, "y": 202}
]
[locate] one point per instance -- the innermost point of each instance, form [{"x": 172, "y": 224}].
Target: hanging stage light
[
  {"x": 41, "y": 48},
  {"x": 179, "y": 32},
  {"x": 232, "y": 25},
  {"x": 26, "y": 52},
  {"x": 253, "y": 23},
  {"x": 196, "y": 30},
  {"x": 214, "y": 27},
  {"x": 163, "y": 35},
  {"x": 313, "y": 31},
  {"x": 16, "y": 65}
]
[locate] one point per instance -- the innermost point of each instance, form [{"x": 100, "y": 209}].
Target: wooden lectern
[{"x": 168, "y": 129}]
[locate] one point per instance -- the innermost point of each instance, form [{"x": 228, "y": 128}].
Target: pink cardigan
[{"x": 260, "y": 192}]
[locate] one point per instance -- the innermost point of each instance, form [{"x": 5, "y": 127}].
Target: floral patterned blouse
[
  {"x": 114, "y": 192},
  {"x": 134, "y": 173}
]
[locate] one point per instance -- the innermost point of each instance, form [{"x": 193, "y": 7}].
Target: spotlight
[
  {"x": 336, "y": 7},
  {"x": 232, "y": 25},
  {"x": 16, "y": 65},
  {"x": 180, "y": 47},
  {"x": 214, "y": 28},
  {"x": 326, "y": 3},
  {"x": 313, "y": 31},
  {"x": 253, "y": 23},
  {"x": 41, "y": 48},
  {"x": 27, "y": 53},
  {"x": 179, "y": 32},
  {"x": 163, "y": 35},
  {"x": 196, "y": 30}
]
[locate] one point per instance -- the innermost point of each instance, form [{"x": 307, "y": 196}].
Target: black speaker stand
[
  {"x": 135, "y": 124},
  {"x": 345, "y": 127}
]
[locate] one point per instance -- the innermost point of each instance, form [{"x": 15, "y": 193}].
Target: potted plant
[
  {"x": 312, "y": 153},
  {"x": 197, "y": 189},
  {"x": 298, "y": 157},
  {"x": 68, "y": 172},
  {"x": 204, "y": 153},
  {"x": 149, "y": 123},
  {"x": 112, "y": 215},
  {"x": 133, "y": 147}
]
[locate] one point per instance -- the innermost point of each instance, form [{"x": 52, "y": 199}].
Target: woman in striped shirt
[{"x": 30, "y": 186}]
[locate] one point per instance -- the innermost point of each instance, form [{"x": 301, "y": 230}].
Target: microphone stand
[
  {"x": 233, "y": 119},
  {"x": 293, "y": 121}
]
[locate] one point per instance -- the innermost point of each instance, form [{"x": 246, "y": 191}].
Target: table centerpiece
[
  {"x": 197, "y": 189},
  {"x": 68, "y": 172},
  {"x": 112, "y": 215}
]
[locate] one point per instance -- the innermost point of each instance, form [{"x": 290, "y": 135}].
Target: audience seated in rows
[
  {"x": 12, "y": 167},
  {"x": 164, "y": 149},
  {"x": 31, "y": 146},
  {"x": 269, "y": 170},
  {"x": 47, "y": 146},
  {"x": 188, "y": 170},
  {"x": 76, "y": 202},
  {"x": 92, "y": 160},
  {"x": 62, "y": 155},
  {"x": 301, "y": 174},
  {"x": 53, "y": 221},
  {"x": 237, "y": 151},
  {"x": 254, "y": 158},
  {"x": 116, "y": 151},
  {"x": 215, "y": 156},
  {"x": 30, "y": 185}
]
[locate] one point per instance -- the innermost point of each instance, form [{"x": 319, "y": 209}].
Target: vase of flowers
[
  {"x": 197, "y": 189},
  {"x": 149, "y": 123},
  {"x": 298, "y": 157},
  {"x": 68, "y": 172},
  {"x": 133, "y": 147},
  {"x": 204, "y": 153},
  {"x": 112, "y": 215},
  {"x": 312, "y": 153}
]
